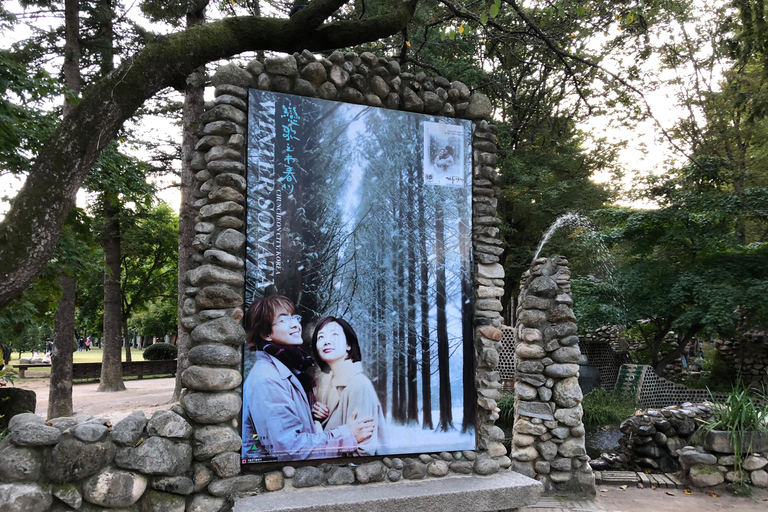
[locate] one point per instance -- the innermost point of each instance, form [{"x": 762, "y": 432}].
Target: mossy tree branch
[{"x": 31, "y": 228}]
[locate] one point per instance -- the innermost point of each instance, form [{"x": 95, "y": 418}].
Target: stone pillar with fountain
[{"x": 548, "y": 441}]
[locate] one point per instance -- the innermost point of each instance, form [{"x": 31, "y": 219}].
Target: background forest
[{"x": 677, "y": 243}]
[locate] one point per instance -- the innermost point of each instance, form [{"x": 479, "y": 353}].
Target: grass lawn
[{"x": 92, "y": 356}]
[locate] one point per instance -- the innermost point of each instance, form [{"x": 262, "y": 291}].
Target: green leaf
[
  {"x": 581, "y": 11},
  {"x": 561, "y": 10},
  {"x": 630, "y": 18},
  {"x": 494, "y": 11},
  {"x": 451, "y": 35},
  {"x": 484, "y": 18}
]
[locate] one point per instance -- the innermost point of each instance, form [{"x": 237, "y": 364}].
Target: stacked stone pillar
[
  {"x": 548, "y": 441},
  {"x": 213, "y": 304}
]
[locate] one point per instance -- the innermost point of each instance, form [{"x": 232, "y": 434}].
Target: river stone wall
[
  {"x": 548, "y": 441},
  {"x": 748, "y": 355},
  {"x": 189, "y": 458}
]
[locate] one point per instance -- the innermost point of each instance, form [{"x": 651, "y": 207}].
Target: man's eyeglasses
[{"x": 285, "y": 319}]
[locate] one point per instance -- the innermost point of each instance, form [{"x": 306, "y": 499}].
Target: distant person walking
[
  {"x": 80, "y": 345},
  {"x": 87, "y": 344}
]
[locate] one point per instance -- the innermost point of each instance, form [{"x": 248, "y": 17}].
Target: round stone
[
  {"x": 114, "y": 488},
  {"x": 203, "y": 378},
  {"x": 212, "y": 407}
]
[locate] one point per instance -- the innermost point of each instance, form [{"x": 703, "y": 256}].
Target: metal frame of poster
[{"x": 360, "y": 217}]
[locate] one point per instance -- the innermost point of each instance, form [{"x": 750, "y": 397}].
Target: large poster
[{"x": 358, "y": 282}]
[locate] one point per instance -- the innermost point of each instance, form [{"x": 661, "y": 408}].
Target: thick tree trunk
[
  {"x": 126, "y": 338},
  {"x": 193, "y": 109},
  {"x": 71, "y": 65},
  {"x": 443, "y": 350},
  {"x": 60, "y": 389},
  {"x": 31, "y": 228},
  {"x": 111, "y": 367},
  {"x": 672, "y": 356}
]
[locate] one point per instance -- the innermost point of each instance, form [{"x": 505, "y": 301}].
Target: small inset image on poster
[{"x": 443, "y": 154}]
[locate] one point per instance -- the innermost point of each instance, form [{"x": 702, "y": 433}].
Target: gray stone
[
  {"x": 308, "y": 476},
  {"x": 561, "y": 313},
  {"x": 25, "y": 418},
  {"x": 350, "y": 95},
  {"x": 570, "y": 417},
  {"x": 463, "y": 467},
  {"x": 202, "y": 475},
  {"x": 225, "y": 112},
  {"x": 370, "y": 472},
  {"x": 566, "y": 355},
  {"x": 548, "y": 450},
  {"x": 255, "y": 67},
  {"x": 114, "y": 488},
  {"x": 338, "y": 77},
  {"x": 90, "y": 432},
  {"x": 222, "y": 128},
  {"x": 154, "y": 501},
  {"x": 207, "y": 503},
  {"x": 327, "y": 91},
  {"x": 414, "y": 469},
  {"x": 692, "y": 458},
  {"x": 704, "y": 476},
  {"x": 64, "y": 423},
  {"x": 560, "y": 331},
  {"x": 213, "y": 274},
  {"x": 218, "y": 407},
  {"x": 229, "y": 99},
  {"x": 528, "y": 351},
  {"x": 156, "y": 456},
  {"x": 229, "y": 486},
  {"x": 569, "y": 341},
  {"x": 201, "y": 378},
  {"x": 525, "y": 392},
  {"x": 530, "y": 366},
  {"x": 486, "y": 466},
  {"x": 567, "y": 392},
  {"x": 68, "y": 494},
  {"x": 228, "y": 221},
  {"x": 437, "y": 468},
  {"x": 526, "y": 427},
  {"x": 284, "y": 66},
  {"x": 534, "y": 379},
  {"x": 212, "y": 440},
  {"x": 18, "y": 464},
  {"x": 532, "y": 318},
  {"x": 221, "y": 330},
  {"x": 432, "y": 103},
  {"x": 230, "y": 74},
  {"x": 223, "y": 167},
  {"x": 545, "y": 394},
  {"x": 35, "y": 434},
  {"x": 561, "y": 371},
  {"x": 754, "y": 462},
  {"x": 72, "y": 460},
  {"x": 411, "y": 101},
  {"x": 759, "y": 478},
  {"x": 174, "y": 484},
  {"x": 24, "y": 497},
  {"x": 231, "y": 241},
  {"x": 226, "y": 208},
  {"x": 223, "y": 258},
  {"x": 314, "y": 72},
  {"x": 289, "y": 471},
  {"x": 525, "y": 453},
  {"x": 226, "y": 465},
  {"x": 169, "y": 424},
  {"x": 479, "y": 107},
  {"x": 302, "y": 87},
  {"x": 214, "y": 354},
  {"x": 573, "y": 447}
]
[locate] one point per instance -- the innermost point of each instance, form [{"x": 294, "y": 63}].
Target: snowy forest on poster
[{"x": 364, "y": 213}]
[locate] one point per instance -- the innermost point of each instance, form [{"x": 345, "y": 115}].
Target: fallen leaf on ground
[
  {"x": 622, "y": 487},
  {"x": 603, "y": 490},
  {"x": 713, "y": 494},
  {"x": 687, "y": 491},
  {"x": 670, "y": 493},
  {"x": 640, "y": 485}
]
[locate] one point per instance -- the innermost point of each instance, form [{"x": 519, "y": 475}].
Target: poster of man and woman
[{"x": 358, "y": 282}]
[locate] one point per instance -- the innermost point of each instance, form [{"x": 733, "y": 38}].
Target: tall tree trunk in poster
[
  {"x": 413, "y": 392},
  {"x": 443, "y": 350},
  {"x": 426, "y": 363},
  {"x": 467, "y": 305}
]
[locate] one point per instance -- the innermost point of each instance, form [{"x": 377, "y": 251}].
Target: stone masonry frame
[{"x": 213, "y": 306}]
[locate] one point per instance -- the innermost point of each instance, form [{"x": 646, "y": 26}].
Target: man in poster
[{"x": 278, "y": 393}]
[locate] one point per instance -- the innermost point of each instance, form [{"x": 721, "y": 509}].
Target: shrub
[
  {"x": 506, "y": 405},
  {"x": 603, "y": 407},
  {"x": 161, "y": 352}
]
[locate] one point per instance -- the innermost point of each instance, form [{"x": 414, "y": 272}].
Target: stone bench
[
  {"x": 505, "y": 491},
  {"x": 24, "y": 367}
]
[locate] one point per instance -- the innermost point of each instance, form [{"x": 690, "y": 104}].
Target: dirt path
[{"x": 148, "y": 395}]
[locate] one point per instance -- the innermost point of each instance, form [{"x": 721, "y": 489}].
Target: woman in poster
[
  {"x": 278, "y": 393},
  {"x": 343, "y": 391}
]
